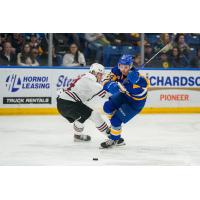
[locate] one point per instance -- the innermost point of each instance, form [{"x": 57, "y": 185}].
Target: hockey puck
[{"x": 95, "y": 159}]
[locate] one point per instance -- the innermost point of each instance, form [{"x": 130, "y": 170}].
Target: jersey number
[{"x": 73, "y": 83}]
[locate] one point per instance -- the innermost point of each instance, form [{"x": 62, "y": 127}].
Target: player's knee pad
[
  {"x": 108, "y": 107},
  {"x": 115, "y": 121},
  {"x": 96, "y": 117}
]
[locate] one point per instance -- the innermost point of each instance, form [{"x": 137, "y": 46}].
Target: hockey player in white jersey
[{"x": 72, "y": 102}]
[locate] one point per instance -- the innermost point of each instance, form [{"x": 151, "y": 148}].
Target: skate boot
[
  {"x": 110, "y": 143},
  {"x": 120, "y": 142},
  {"x": 81, "y": 138}
]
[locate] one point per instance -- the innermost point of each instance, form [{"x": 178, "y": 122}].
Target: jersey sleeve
[
  {"x": 109, "y": 83},
  {"x": 137, "y": 84},
  {"x": 109, "y": 77},
  {"x": 97, "y": 90}
]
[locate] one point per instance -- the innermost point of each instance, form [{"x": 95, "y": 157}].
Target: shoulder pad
[
  {"x": 90, "y": 76},
  {"x": 115, "y": 70}
]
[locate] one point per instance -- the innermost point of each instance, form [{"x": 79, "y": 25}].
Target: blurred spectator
[
  {"x": 177, "y": 59},
  {"x": 137, "y": 62},
  {"x": 125, "y": 39},
  {"x": 17, "y": 41},
  {"x": 195, "y": 61},
  {"x": 98, "y": 38},
  {"x": 35, "y": 43},
  {"x": 73, "y": 38},
  {"x": 57, "y": 59},
  {"x": 60, "y": 42},
  {"x": 30, "y": 62},
  {"x": 148, "y": 51},
  {"x": 59, "y": 47},
  {"x": 163, "y": 61},
  {"x": 164, "y": 41},
  {"x": 92, "y": 45},
  {"x": 43, "y": 58},
  {"x": 135, "y": 39},
  {"x": 44, "y": 44},
  {"x": 21, "y": 57},
  {"x": 35, "y": 58},
  {"x": 96, "y": 42},
  {"x": 114, "y": 38},
  {"x": 74, "y": 57},
  {"x": 1, "y": 44},
  {"x": 181, "y": 45},
  {"x": 7, "y": 56},
  {"x": 3, "y": 37},
  {"x": 27, "y": 57},
  {"x": 148, "y": 54}
]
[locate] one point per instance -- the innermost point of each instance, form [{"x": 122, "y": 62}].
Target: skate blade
[
  {"x": 77, "y": 140},
  {"x": 117, "y": 146}
]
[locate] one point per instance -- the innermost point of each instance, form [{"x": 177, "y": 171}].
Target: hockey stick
[
  {"x": 122, "y": 88},
  {"x": 144, "y": 64}
]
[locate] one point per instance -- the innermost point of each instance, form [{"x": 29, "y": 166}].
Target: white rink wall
[{"x": 27, "y": 87}]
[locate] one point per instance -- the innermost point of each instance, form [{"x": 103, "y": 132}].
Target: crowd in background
[{"x": 71, "y": 49}]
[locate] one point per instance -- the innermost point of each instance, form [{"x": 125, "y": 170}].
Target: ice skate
[
  {"x": 110, "y": 143},
  {"x": 82, "y": 138},
  {"x": 120, "y": 142}
]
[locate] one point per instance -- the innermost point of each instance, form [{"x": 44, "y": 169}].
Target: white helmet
[{"x": 96, "y": 68}]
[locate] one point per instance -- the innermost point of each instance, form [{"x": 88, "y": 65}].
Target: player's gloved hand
[{"x": 111, "y": 87}]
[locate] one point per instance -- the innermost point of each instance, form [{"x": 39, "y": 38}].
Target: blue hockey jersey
[{"x": 136, "y": 84}]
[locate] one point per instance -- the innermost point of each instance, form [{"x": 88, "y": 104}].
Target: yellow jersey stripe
[{"x": 115, "y": 132}]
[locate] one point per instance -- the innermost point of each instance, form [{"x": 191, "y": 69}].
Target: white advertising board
[
  {"x": 173, "y": 88},
  {"x": 36, "y": 87}
]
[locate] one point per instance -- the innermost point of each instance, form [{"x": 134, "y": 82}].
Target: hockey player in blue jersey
[{"x": 129, "y": 93}]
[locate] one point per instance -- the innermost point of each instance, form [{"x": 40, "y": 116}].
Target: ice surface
[{"x": 150, "y": 140}]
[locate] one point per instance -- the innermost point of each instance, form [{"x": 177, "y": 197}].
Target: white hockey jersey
[{"x": 83, "y": 89}]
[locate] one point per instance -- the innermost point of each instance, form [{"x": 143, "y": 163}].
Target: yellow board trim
[
  {"x": 176, "y": 110},
  {"x": 28, "y": 111},
  {"x": 53, "y": 111}
]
